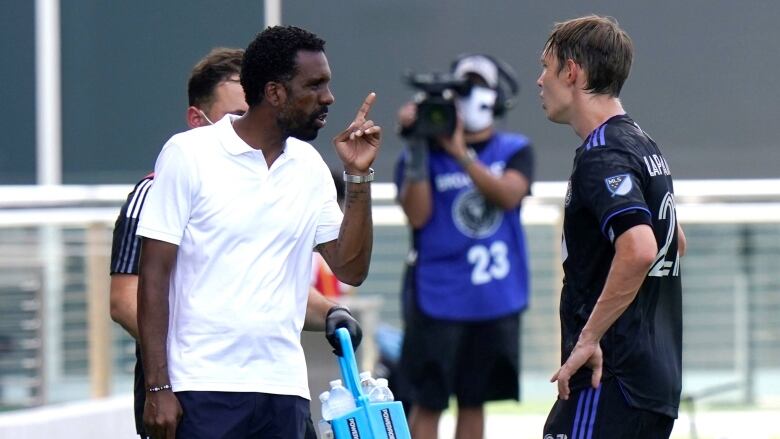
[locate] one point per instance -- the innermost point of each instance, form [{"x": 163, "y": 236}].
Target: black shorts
[
  {"x": 603, "y": 413},
  {"x": 475, "y": 361},
  {"x": 227, "y": 415}
]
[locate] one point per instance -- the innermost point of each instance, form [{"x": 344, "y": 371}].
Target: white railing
[
  {"x": 92, "y": 210},
  {"x": 100, "y": 418},
  {"x": 700, "y": 201}
]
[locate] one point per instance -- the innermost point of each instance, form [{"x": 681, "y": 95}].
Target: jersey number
[
  {"x": 489, "y": 263},
  {"x": 662, "y": 266}
]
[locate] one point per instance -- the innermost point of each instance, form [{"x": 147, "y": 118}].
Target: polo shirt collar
[
  {"x": 234, "y": 145},
  {"x": 230, "y": 140}
]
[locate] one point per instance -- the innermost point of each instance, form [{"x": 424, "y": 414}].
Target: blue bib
[{"x": 471, "y": 257}]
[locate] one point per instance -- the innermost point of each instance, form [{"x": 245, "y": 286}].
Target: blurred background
[
  {"x": 92, "y": 89},
  {"x": 701, "y": 84}
]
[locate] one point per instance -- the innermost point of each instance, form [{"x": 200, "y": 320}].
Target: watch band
[{"x": 349, "y": 178}]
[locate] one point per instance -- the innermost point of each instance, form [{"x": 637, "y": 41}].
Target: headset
[{"x": 508, "y": 86}]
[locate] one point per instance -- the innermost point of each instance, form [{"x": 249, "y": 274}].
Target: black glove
[
  {"x": 339, "y": 317},
  {"x": 417, "y": 161}
]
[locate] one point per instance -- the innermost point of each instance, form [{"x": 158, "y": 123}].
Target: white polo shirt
[{"x": 245, "y": 233}]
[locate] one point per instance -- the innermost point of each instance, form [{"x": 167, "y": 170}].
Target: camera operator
[{"x": 468, "y": 278}]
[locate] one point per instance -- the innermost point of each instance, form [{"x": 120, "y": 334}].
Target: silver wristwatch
[{"x": 349, "y": 178}]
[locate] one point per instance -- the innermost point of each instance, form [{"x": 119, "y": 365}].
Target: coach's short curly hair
[{"x": 271, "y": 57}]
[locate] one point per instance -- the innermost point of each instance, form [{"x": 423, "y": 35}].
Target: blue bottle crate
[{"x": 383, "y": 420}]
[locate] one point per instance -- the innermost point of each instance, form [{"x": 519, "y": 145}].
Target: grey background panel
[
  {"x": 702, "y": 82},
  {"x": 125, "y": 67},
  {"x": 17, "y": 93}
]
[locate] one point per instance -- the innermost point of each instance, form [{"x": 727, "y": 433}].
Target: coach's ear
[{"x": 275, "y": 93}]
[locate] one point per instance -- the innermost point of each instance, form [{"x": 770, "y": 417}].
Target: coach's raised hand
[{"x": 357, "y": 146}]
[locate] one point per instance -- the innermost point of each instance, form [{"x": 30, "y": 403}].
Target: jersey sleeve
[
  {"x": 125, "y": 249},
  {"x": 523, "y": 162},
  {"x": 169, "y": 202},
  {"x": 610, "y": 183}
]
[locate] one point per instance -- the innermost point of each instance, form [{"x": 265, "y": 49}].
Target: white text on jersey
[{"x": 656, "y": 165}]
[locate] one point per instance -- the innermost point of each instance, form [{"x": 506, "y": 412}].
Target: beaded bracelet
[{"x": 157, "y": 389}]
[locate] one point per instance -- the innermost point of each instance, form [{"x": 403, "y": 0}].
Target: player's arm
[
  {"x": 416, "y": 200},
  {"x": 317, "y": 308},
  {"x": 162, "y": 411},
  {"x": 123, "y": 296},
  {"x": 124, "y": 301},
  {"x": 415, "y": 194},
  {"x": 157, "y": 261},
  {"x": 682, "y": 243},
  {"x": 349, "y": 256},
  {"x": 163, "y": 221},
  {"x": 324, "y": 315},
  {"x": 505, "y": 191},
  {"x": 635, "y": 251}
]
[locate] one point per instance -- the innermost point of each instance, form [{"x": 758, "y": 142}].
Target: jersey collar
[
  {"x": 597, "y": 137},
  {"x": 234, "y": 145}
]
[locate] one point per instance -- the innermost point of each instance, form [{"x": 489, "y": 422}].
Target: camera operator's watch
[
  {"x": 469, "y": 158},
  {"x": 349, "y": 178}
]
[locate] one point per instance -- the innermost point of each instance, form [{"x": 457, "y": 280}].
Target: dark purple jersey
[{"x": 621, "y": 179}]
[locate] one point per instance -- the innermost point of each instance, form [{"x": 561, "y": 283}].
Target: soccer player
[{"x": 620, "y": 309}]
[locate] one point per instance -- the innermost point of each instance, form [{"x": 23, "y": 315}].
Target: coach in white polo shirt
[{"x": 229, "y": 227}]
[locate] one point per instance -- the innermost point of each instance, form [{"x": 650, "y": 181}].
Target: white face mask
[{"x": 477, "y": 108}]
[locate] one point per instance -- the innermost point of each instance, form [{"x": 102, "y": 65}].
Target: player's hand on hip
[
  {"x": 358, "y": 145},
  {"x": 162, "y": 413},
  {"x": 583, "y": 354}
]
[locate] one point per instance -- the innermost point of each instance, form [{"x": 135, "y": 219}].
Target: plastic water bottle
[
  {"x": 326, "y": 431},
  {"x": 381, "y": 392},
  {"x": 340, "y": 401},
  {"x": 327, "y": 413},
  {"x": 367, "y": 383}
]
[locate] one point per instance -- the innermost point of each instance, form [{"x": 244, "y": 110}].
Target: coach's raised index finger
[{"x": 364, "y": 109}]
